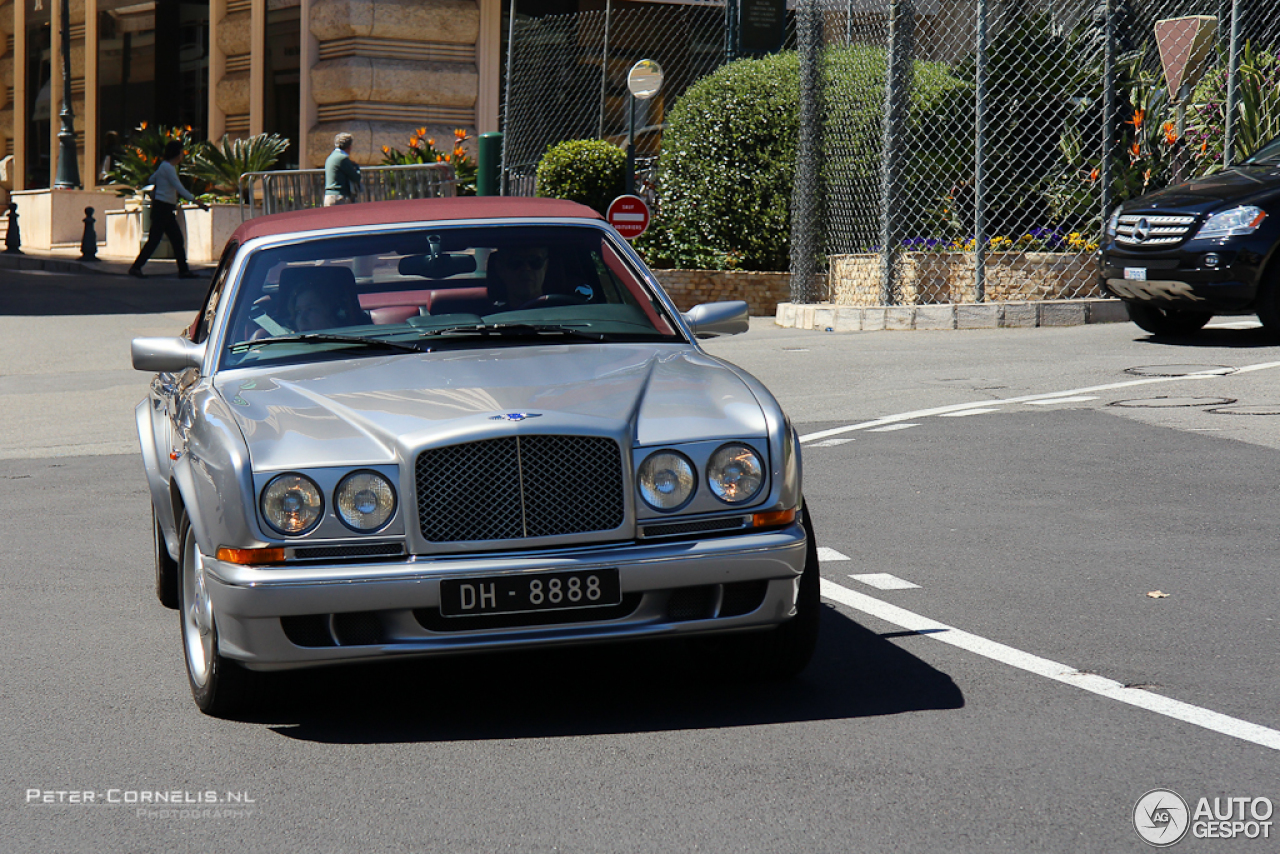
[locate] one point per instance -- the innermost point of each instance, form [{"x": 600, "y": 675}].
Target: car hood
[
  {"x": 380, "y": 409},
  {"x": 1245, "y": 185}
]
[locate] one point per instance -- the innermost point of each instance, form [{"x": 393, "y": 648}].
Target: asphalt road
[{"x": 984, "y": 709}]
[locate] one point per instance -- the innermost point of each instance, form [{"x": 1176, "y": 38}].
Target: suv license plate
[
  {"x": 1136, "y": 273},
  {"x": 543, "y": 591}
]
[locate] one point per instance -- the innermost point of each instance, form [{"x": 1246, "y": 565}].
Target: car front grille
[
  {"x": 519, "y": 487},
  {"x": 1153, "y": 230}
]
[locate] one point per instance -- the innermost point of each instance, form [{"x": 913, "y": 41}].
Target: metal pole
[
  {"x": 631, "y": 145},
  {"x": 68, "y": 177},
  {"x": 730, "y": 30},
  {"x": 1108, "y": 111},
  {"x": 897, "y": 104},
  {"x": 980, "y": 160},
  {"x": 604, "y": 67},
  {"x": 807, "y": 196},
  {"x": 1233, "y": 72},
  {"x": 506, "y": 96}
]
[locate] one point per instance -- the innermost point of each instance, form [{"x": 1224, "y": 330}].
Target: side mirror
[
  {"x": 713, "y": 319},
  {"x": 166, "y": 355}
]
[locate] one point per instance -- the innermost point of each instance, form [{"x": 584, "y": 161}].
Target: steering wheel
[{"x": 550, "y": 301}]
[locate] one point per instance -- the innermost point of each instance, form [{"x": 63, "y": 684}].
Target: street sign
[
  {"x": 629, "y": 215},
  {"x": 1185, "y": 44}
]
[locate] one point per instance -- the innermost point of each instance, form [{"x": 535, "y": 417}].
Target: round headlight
[
  {"x": 365, "y": 500},
  {"x": 735, "y": 474},
  {"x": 292, "y": 504},
  {"x": 667, "y": 480}
]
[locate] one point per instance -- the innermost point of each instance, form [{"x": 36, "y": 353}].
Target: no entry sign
[{"x": 629, "y": 215}]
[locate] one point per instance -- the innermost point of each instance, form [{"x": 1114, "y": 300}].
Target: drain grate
[
  {"x": 1172, "y": 402},
  {"x": 1179, "y": 370}
]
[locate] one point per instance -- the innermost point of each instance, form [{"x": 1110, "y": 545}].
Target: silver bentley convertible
[{"x": 444, "y": 426}]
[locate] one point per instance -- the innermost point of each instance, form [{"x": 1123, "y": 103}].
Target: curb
[
  {"x": 825, "y": 317},
  {"x": 53, "y": 263}
]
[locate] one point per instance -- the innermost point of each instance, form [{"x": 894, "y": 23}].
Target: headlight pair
[
  {"x": 668, "y": 480},
  {"x": 292, "y": 504}
]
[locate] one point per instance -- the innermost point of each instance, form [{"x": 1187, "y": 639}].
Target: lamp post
[
  {"x": 68, "y": 177},
  {"x": 644, "y": 80}
]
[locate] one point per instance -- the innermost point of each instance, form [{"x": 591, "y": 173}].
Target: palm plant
[
  {"x": 222, "y": 165},
  {"x": 140, "y": 155}
]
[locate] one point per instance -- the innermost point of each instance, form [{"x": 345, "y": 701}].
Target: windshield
[
  {"x": 1268, "y": 155},
  {"x": 438, "y": 288}
]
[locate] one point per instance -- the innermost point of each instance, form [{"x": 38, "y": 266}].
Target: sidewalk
[{"x": 69, "y": 261}]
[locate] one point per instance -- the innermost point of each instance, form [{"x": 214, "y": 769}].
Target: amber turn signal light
[
  {"x": 773, "y": 518},
  {"x": 251, "y": 557}
]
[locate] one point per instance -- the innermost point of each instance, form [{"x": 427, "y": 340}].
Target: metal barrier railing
[{"x": 296, "y": 189}]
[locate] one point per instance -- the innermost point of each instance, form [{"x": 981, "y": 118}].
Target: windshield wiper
[
  {"x": 484, "y": 330},
  {"x": 323, "y": 338}
]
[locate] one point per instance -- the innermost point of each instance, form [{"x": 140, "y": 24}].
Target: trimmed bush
[
  {"x": 591, "y": 172},
  {"x": 728, "y": 157}
]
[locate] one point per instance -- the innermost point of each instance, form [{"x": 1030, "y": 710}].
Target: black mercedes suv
[{"x": 1181, "y": 255}]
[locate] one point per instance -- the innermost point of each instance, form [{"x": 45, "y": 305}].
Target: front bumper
[
  {"x": 288, "y": 617},
  {"x": 1179, "y": 278}
]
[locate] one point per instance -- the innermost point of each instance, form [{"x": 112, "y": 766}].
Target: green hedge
[
  {"x": 728, "y": 157},
  {"x": 588, "y": 171}
]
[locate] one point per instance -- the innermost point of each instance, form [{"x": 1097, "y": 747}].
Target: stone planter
[
  {"x": 948, "y": 277},
  {"x": 206, "y": 232},
  {"x": 54, "y": 219}
]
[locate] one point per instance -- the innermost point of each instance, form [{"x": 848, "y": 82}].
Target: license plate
[
  {"x": 543, "y": 591},
  {"x": 1136, "y": 273}
]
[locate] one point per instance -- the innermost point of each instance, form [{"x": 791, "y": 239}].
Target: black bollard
[
  {"x": 89, "y": 242},
  {"x": 13, "y": 237}
]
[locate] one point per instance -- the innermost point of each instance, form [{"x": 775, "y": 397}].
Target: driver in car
[{"x": 516, "y": 276}]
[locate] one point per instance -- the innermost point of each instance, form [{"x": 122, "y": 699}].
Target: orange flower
[
  {"x": 1138, "y": 116},
  {"x": 422, "y": 131},
  {"x": 1170, "y": 133},
  {"x": 1135, "y": 150},
  {"x": 142, "y": 126},
  {"x": 1094, "y": 174},
  {"x": 447, "y": 158},
  {"x": 413, "y": 142},
  {"x": 460, "y": 133},
  {"x": 431, "y": 142},
  {"x": 1204, "y": 146},
  {"x": 386, "y": 149}
]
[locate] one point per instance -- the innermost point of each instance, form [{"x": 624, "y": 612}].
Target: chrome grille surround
[
  {"x": 1159, "y": 229},
  {"x": 520, "y": 487}
]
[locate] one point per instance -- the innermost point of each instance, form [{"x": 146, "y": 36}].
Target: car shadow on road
[
  {"x": 648, "y": 687},
  {"x": 26, "y": 293},
  {"x": 1243, "y": 339}
]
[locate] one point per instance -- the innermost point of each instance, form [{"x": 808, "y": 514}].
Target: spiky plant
[{"x": 221, "y": 165}]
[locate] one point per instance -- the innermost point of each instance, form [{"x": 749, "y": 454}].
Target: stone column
[
  {"x": 387, "y": 67},
  {"x": 7, "y": 82},
  {"x": 232, "y": 89}
]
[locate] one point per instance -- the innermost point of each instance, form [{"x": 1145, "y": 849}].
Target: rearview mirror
[
  {"x": 166, "y": 355},
  {"x": 713, "y": 319},
  {"x": 437, "y": 266}
]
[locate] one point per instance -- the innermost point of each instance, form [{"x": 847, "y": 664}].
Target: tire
[
  {"x": 166, "y": 567},
  {"x": 1167, "y": 321},
  {"x": 219, "y": 686},
  {"x": 779, "y": 653},
  {"x": 1268, "y": 303}
]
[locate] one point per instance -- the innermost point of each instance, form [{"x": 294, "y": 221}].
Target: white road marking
[
  {"x": 959, "y": 407},
  {"x": 1080, "y": 398},
  {"x": 884, "y": 581},
  {"x": 967, "y": 413},
  {"x": 826, "y": 554},
  {"x": 1100, "y": 685},
  {"x": 887, "y": 429},
  {"x": 831, "y": 443}
]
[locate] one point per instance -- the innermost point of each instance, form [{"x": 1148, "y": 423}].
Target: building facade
[{"x": 304, "y": 69}]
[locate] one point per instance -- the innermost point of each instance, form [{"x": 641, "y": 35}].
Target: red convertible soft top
[{"x": 410, "y": 210}]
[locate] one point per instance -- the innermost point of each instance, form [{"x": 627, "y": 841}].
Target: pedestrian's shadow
[{"x": 592, "y": 691}]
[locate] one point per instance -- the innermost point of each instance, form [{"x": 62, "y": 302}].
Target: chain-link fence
[
  {"x": 971, "y": 150},
  {"x": 567, "y": 77}
]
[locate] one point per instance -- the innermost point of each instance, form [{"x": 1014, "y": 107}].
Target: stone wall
[
  {"x": 762, "y": 291},
  {"x": 948, "y": 277}
]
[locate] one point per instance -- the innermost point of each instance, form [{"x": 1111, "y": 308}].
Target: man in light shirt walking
[
  {"x": 164, "y": 212},
  {"x": 341, "y": 174}
]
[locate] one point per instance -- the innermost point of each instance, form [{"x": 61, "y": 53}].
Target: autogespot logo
[{"x": 1160, "y": 817}]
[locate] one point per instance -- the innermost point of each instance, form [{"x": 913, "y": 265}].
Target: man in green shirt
[{"x": 341, "y": 174}]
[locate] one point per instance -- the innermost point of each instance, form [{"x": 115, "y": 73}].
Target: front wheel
[
  {"x": 218, "y": 685},
  {"x": 782, "y": 652},
  {"x": 1167, "y": 321}
]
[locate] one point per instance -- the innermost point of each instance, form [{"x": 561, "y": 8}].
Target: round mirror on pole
[{"x": 644, "y": 80}]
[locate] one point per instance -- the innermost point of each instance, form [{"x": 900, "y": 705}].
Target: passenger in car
[{"x": 324, "y": 299}]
